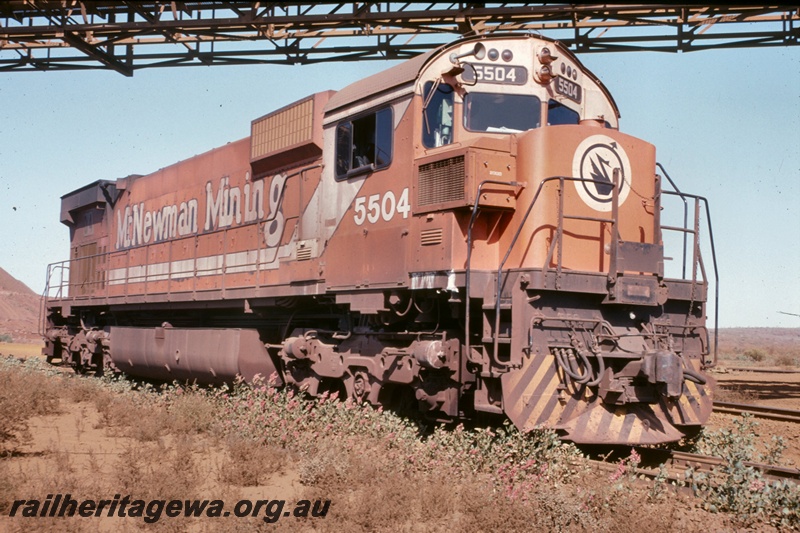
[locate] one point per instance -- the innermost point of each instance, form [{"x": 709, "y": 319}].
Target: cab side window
[
  {"x": 437, "y": 115},
  {"x": 364, "y": 144}
]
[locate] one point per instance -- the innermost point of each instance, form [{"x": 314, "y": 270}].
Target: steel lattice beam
[{"x": 127, "y": 36}]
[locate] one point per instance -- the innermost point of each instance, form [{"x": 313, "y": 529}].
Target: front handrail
[
  {"x": 468, "y": 262},
  {"x": 42, "y": 326},
  {"x": 558, "y": 241},
  {"x": 498, "y": 288}
]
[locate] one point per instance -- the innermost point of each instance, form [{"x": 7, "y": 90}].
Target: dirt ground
[
  {"x": 93, "y": 446},
  {"x": 84, "y": 449},
  {"x": 21, "y": 349}
]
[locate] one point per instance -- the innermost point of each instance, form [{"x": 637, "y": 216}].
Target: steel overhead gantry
[{"x": 127, "y": 36}]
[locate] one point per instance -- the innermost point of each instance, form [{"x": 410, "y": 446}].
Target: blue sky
[{"x": 726, "y": 125}]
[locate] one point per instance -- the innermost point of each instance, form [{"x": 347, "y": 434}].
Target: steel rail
[
  {"x": 763, "y": 370},
  {"x": 706, "y": 463},
  {"x": 677, "y": 462},
  {"x": 759, "y": 411}
]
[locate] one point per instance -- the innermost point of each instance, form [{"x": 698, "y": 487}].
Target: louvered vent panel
[
  {"x": 282, "y": 129},
  {"x": 430, "y": 237},
  {"x": 303, "y": 254},
  {"x": 441, "y": 182}
]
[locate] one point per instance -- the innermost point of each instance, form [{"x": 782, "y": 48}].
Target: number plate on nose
[
  {"x": 493, "y": 73},
  {"x": 569, "y": 89}
]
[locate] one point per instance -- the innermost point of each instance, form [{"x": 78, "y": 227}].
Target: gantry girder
[{"x": 127, "y": 36}]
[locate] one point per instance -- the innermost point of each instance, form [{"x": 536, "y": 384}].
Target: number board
[
  {"x": 569, "y": 89},
  {"x": 488, "y": 73}
]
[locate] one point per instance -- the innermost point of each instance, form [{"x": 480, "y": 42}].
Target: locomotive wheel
[{"x": 361, "y": 386}]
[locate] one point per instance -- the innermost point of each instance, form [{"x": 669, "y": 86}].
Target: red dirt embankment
[{"x": 19, "y": 309}]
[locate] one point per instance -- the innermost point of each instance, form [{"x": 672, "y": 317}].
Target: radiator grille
[{"x": 441, "y": 182}]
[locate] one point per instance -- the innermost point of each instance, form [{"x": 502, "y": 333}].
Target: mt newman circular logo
[{"x": 595, "y": 160}]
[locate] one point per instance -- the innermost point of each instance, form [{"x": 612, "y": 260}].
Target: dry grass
[
  {"x": 246, "y": 464},
  {"x": 155, "y": 471},
  {"x": 787, "y": 360},
  {"x": 382, "y": 500},
  {"x": 125, "y": 417},
  {"x": 22, "y": 395},
  {"x": 191, "y": 414}
]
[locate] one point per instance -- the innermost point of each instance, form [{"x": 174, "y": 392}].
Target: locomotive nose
[{"x": 647, "y": 400}]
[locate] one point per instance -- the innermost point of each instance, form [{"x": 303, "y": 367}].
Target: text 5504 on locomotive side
[{"x": 468, "y": 232}]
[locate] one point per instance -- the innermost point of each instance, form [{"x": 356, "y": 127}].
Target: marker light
[
  {"x": 543, "y": 74},
  {"x": 545, "y": 56}
]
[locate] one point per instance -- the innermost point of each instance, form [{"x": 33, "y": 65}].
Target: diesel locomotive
[{"x": 468, "y": 233}]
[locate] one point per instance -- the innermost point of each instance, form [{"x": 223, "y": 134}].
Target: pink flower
[
  {"x": 618, "y": 473},
  {"x": 635, "y": 458}
]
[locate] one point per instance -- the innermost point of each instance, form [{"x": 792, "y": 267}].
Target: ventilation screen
[
  {"x": 282, "y": 129},
  {"x": 441, "y": 182}
]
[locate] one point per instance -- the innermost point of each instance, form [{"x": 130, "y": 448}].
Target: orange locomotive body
[{"x": 468, "y": 230}]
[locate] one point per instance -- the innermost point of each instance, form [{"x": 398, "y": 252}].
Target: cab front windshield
[{"x": 501, "y": 113}]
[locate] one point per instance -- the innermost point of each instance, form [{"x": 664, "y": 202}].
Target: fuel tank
[{"x": 208, "y": 356}]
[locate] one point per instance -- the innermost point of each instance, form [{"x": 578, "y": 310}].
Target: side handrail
[
  {"x": 704, "y": 201},
  {"x": 42, "y": 326},
  {"x": 685, "y": 214}
]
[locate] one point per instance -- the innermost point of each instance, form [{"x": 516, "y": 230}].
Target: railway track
[
  {"x": 762, "y": 370},
  {"x": 680, "y": 461},
  {"x": 677, "y": 462},
  {"x": 759, "y": 411}
]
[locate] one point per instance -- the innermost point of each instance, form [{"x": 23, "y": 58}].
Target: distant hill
[
  {"x": 734, "y": 342},
  {"x": 19, "y": 309}
]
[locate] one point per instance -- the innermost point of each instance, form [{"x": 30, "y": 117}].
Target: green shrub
[{"x": 741, "y": 490}]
